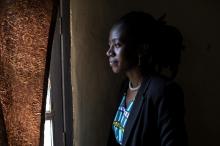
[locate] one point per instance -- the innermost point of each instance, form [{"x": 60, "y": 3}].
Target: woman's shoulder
[
  {"x": 158, "y": 83},
  {"x": 160, "y": 86}
]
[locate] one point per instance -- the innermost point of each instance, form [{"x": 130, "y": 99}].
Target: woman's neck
[{"x": 135, "y": 77}]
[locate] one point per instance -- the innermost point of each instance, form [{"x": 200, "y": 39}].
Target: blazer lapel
[{"x": 135, "y": 109}]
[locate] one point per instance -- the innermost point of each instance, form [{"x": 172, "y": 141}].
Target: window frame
[{"x": 59, "y": 69}]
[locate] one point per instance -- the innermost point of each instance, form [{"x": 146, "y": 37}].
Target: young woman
[{"x": 151, "y": 110}]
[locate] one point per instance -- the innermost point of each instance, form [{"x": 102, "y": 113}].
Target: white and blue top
[{"x": 121, "y": 118}]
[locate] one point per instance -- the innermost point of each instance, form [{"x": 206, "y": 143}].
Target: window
[
  {"x": 48, "y": 127},
  {"x": 58, "y": 125}
]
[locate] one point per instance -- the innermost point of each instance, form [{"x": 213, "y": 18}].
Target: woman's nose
[{"x": 109, "y": 52}]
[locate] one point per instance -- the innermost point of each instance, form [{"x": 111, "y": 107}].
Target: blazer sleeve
[{"x": 170, "y": 115}]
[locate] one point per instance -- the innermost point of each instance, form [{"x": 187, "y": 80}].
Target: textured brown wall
[
  {"x": 94, "y": 86},
  {"x": 24, "y": 27}
]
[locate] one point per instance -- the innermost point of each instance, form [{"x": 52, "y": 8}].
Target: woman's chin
[{"x": 115, "y": 70}]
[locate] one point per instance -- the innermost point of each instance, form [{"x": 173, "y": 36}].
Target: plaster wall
[{"x": 95, "y": 87}]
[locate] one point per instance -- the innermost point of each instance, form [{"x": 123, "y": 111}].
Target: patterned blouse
[{"x": 121, "y": 118}]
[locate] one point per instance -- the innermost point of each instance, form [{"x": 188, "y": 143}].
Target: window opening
[
  {"x": 48, "y": 127},
  {"x": 58, "y": 127}
]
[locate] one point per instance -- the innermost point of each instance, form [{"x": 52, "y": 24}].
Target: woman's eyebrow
[{"x": 113, "y": 40}]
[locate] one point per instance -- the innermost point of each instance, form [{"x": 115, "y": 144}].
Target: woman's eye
[{"x": 117, "y": 45}]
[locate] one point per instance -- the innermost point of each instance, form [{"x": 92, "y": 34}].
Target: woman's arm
[{"x": 170, "y": 116}]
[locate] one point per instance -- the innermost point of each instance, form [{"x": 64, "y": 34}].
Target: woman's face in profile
[{"x": 116, "y": 50}]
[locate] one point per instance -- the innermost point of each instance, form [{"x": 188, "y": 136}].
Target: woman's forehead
[{"x": 117, "y": 33}]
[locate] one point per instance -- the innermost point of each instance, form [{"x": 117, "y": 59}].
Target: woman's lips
[{"x": 113, "y": 62}]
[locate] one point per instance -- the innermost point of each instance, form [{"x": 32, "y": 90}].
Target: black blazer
[{"x": 157, "y": 115}]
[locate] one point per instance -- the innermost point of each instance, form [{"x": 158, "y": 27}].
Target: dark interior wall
[{"x": 95, "y": 87}]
